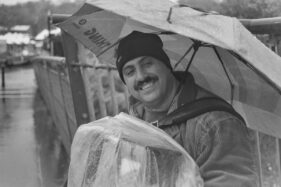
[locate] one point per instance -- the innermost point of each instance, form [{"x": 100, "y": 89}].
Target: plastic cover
[{"x": 124, "y": 151}]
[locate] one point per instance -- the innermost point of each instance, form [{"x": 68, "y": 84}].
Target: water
[{"x": 31, "y": 152}]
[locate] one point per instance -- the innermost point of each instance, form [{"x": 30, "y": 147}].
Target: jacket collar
[{"x": 187, "y": 92}]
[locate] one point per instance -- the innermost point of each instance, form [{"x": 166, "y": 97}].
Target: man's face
[{"x": 148, "y": 80}]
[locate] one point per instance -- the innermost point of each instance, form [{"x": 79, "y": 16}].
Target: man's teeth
[{"x": 145, "y": 86}]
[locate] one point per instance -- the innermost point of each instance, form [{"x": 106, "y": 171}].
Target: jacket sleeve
[{"x": 223, "y": 152}]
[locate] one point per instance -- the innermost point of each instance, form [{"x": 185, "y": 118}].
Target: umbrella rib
[
  {"x": 203, "y": 12},
  {"x": 263, "y": 76},
  {"x": 179, "y": 61},
  {"x": 195, "y": 46},
  {"x": 227, "y": 75},
  {"x": 190, "y": 61}
]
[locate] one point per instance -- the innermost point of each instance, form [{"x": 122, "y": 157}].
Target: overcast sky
[{"x": 13, "y": 2}]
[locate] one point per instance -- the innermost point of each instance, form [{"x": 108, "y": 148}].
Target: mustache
[{"x": 140, "y": 83}]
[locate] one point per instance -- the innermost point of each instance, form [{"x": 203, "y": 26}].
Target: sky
[{"x": 13, "y": 2}]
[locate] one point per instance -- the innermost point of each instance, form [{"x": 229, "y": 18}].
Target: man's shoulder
[
  {"x": 214, "y": 108},
  {"x": 216, "y": 116},
  {"x": 222, "y": 115},
  {"x": 213, "y": 121}
]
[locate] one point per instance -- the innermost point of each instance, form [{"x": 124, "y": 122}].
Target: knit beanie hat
[{"x": 138, "y": 44}]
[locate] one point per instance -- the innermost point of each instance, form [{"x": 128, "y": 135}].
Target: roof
[
  {"x": 21, "y": 28},
  {"x": 2, "y": 28},
  {"x": 15, "y": 38},
  {"x": 45, "y": 33}
]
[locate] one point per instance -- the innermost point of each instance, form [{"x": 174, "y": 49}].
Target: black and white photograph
[{"x": 140, "y": 93}]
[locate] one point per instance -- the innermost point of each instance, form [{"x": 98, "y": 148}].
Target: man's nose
[{"x": 140, "y": 74}]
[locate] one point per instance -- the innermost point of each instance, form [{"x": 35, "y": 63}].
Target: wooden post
[
  {"x": 278, "y": 159},
  {"x": 276, "y": 41},
  {"x": 76, "y": 81},
  {"x": 102, "y": 106},
  {"x": 112, "y": 91},
  {"x": 276, "y": 50},
  {"x": 49, "y": 24},
  {"x": 60, "y": 74},
  {"x": 3, "y": 75},
  {"x": 90, "y": 100},
  {"x": 259, "y": 158}
]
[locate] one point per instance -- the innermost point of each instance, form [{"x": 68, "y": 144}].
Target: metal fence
[
  {"x": 53, "y": 82},
  {"x": 102, "y": 95}
]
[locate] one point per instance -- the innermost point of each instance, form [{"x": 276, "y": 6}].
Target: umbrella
[{"x": 223, "y": 56}]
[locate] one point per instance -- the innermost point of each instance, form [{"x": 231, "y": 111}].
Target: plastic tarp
[{"x": 125, "y": 151}]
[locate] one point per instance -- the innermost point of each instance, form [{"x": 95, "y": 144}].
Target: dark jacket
[{"x": 217, "y": 141}]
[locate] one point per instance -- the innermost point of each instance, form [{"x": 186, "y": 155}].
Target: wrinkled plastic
[{"x": 123, "y": 151}]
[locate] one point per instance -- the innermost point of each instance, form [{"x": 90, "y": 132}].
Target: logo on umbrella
[{"x": 82, "y": 21}]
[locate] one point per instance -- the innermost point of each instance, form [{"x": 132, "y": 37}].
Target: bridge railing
[
  {"x": 53, "y": 82},
  {"x": 104, "y": 94}
]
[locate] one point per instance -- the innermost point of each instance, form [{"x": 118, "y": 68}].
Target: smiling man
[
  {"x": 217, "y": 140},
  {"x": 146, "y": 79}
]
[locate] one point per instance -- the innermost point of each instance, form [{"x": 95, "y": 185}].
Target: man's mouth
[{"x": 146, "y": 83}]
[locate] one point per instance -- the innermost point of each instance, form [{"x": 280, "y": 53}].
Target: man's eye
[
  {"x": 147, "y": 64},
  {"x": 129, "y": 72}
]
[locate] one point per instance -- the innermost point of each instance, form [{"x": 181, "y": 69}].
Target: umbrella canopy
[{"x": 223, "y": 56}]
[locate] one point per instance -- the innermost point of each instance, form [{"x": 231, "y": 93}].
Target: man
[{"x": 216, "y": 140}]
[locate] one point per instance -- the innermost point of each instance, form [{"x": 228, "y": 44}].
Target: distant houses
[
  {"x": 20, "y": 44},
  {"x": 3, "y": 30},
  {"x": 50, "y": 40},
  {"x": 23, "y": 29}
]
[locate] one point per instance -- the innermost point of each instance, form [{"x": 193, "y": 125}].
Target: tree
[
  {"x": 238, "y": 8},
  {"x": 34, "y": 13},
  {"x": 251, "y": 8},
  {"x": 209, "y": 5}
]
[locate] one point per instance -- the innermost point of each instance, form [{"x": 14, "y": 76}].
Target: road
[{"x": 31, "y": 153}]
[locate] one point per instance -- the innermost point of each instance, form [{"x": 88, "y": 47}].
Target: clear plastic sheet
[{"x": 123, "y": 151}]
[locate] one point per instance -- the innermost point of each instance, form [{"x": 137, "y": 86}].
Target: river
[{"x": 31, "y": 152}]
